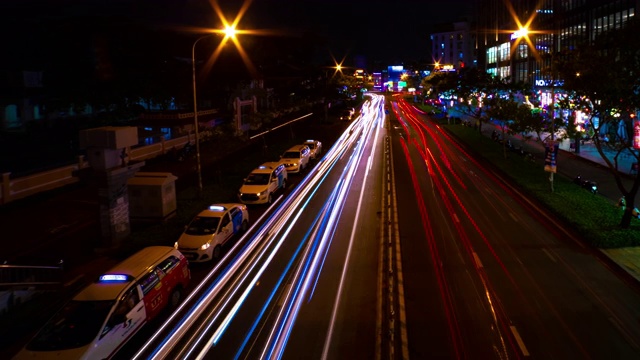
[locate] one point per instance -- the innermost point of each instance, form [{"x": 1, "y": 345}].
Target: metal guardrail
[{"x": 32, "y": 276}]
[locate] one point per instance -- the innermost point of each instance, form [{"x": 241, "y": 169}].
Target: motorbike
[
  {"x": 586, "y": 184},
  {"x": 181, "y": 154}
]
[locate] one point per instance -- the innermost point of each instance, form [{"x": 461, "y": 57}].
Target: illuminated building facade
[
  {"x": 555, "y": 29},
  {"x": 393, "y": 79},
  {"x": 377, "y": 81},
  {"x": 557, "y": 26},
  {"x": 452, "y": 45}
]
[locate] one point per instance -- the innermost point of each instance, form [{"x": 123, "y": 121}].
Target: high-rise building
[
  {"x": 554, "y": 27},
  {"x": 452, "y": 45}
]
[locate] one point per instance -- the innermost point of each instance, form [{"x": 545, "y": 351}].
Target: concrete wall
[{"x": 18, "y": 188}]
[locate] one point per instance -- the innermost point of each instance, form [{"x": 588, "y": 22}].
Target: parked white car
[
  {"x": 296, "y": 158},
  {"x": 316, "y": 148},
  {"x": 203, "y": 238},
  {"x": 262, "y": 183}
]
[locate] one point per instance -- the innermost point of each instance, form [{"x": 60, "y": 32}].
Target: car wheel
[
  {"x": 175, "y": 298},
  {"x": 217, "y": 251},
  {"x": 244, "y": 227},
  {"x": 270, "y": 198}
]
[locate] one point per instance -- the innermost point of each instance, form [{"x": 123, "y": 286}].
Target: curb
[
  {"x": 595, "y": 163},
  {"x": 630, "y": 275}
]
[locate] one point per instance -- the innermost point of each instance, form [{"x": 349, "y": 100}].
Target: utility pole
[
  {"x": 552, "y": 144},
  {"x": 553, "y": 118}
]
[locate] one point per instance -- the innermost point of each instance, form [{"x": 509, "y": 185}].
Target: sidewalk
[{"x": 589, "y": 164}]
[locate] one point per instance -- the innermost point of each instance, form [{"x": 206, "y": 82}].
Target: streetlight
[
  {"x": 229, "y": 32},
  {"x": 523, "y": 34},
  {"x": 552, "y": 146}
]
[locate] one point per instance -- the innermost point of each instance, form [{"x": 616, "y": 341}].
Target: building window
[
  {"x": 503, "y": 52},
  {"x": 523, "y": 51},
  {"x": 492, "y": 55}
]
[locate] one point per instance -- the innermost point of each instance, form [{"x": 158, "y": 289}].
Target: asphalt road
[
  {"x": 419, "y": 252},
  {"x": 64, "y": 224},
  {"x": 489, "y": 275},
  {"x": 303, "y": 282}
]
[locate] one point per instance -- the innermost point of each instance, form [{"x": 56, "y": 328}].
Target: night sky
[
  {"x": 385, "y": 30},
  {"x": 391, "y": 31}
]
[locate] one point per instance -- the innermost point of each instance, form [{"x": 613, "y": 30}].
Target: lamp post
[
  {"x": 552, "y": 67},
  {"x": 195, "y": 113},
  {"x": 553, "y": 115},
  {"x": 229, "y": 32},
  {"x": 521, "y": 33}
]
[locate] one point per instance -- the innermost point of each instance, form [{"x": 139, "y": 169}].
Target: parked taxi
[
  {"x": 296, "y": 158},
  {"x": 204, "y": 237},
  {"x": 98, "y": 321},
  {"x": 262, "y": 183}
]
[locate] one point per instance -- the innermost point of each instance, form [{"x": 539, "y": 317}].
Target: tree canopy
[{"x": 603, "y": 78}]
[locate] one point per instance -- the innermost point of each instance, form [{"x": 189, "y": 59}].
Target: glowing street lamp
[
  {"x": 230, "y": 32},
  {"x": 523, "y": 34}
]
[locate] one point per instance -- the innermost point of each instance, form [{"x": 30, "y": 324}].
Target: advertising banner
[{"x": 550, "y": 156}]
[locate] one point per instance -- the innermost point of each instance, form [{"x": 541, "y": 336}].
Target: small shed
[{"x": 152, "y": 196}]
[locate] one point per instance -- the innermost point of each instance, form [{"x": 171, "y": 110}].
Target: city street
[
  {"x": 488, "y": 274},
  {"x": 484, "y": 277}
]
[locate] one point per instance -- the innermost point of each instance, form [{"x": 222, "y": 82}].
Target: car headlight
[
  {"x": 205, "y": 246},
  {"x": 175, "y": 245}
]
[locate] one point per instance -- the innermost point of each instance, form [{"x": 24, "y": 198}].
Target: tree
[
  {"x": 440, "y": 83},
  {"x": 528, "y": 120},
  {"x": 604, "y": 78},
  {"x": 504, "y": 112},
  {"x": 471, "y": 87}
]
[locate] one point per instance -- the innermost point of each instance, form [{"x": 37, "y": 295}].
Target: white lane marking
[
  {"x": 549, "y": 255},
  {"x": 523, "y": 348}
]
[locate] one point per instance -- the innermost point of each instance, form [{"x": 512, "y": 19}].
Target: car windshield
[
  {"x": 203, "y": 225},
  {"x": 74, "y": 326},
  {"x": 257, "y": 179},
  {"x": 311, "y": 146},
  {"x": 291, "y": 155}
]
